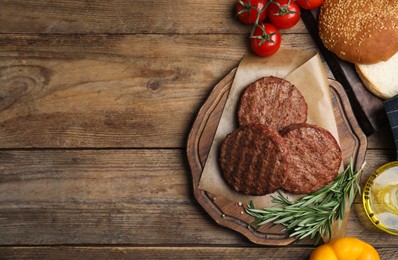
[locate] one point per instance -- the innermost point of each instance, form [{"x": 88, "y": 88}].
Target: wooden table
[{"x": 97, "y": 99}]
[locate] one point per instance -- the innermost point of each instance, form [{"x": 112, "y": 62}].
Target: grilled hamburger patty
[
  {"x": 314, "y": 157},
  {"x": 254, "y": 160},
  {"x": 272, "y": 101}
]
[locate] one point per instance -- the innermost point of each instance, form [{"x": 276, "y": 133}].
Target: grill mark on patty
[
  {"x": 236, "y": 148},
  {"x": 246, "y": 168},
  {"x": 280, "y": 160},
  {"x": 267, "y": 162},
  {"x": 247, "y": 157},
  {"x": 240, "y": 143},
  {"x": 227, "y": 153},
  {"x": 259, "y": 162},
  {"x": 244, "y": 162}
]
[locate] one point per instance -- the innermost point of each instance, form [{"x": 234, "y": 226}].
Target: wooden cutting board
[{"x": 231, "y": 214}]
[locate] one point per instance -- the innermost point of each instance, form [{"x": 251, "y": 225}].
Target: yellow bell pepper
[{"x": 345, "y": 248}]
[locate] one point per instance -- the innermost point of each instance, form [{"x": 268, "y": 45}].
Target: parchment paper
[{"x": 302, "y": 68}]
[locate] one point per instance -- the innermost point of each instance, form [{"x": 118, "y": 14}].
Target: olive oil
[{"x": 380, "y": 198}]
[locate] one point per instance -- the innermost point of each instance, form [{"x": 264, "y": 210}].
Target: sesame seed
[{"x": 351, "y": 25}]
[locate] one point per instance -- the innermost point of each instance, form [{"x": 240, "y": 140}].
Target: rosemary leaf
[{"x": 312, "y": 215}]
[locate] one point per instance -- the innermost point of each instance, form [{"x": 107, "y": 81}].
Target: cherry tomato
[
  {"x": 283, "y": 14},
  {"x": 309, "y": 4},
  {"x": 266, "y": 39},
  {"x": 247, "y": 10}
]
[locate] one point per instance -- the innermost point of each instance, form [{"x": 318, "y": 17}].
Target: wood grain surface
[
  {"x": 121, "y": 16},
  {"x": 118, "y": 197},
  {"x": 109, "y": 91},
  {"x": 168, "y": 253},
  {"x": 96, "y": 102}
]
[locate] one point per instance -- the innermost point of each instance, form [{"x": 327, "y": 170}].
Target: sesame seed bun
[{"x": 360, "y": 31}]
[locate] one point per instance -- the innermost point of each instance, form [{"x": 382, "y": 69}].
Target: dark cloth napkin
[{"x": 391, "y": 107}]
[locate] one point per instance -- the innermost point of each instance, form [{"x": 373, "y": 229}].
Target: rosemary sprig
[{"x": 312, "y": 215}]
